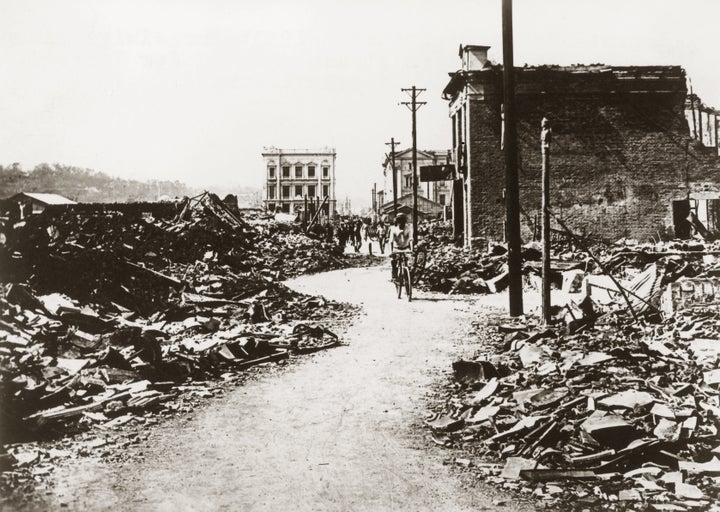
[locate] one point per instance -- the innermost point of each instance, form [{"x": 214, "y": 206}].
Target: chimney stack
[{"x": 474, "y": 57}]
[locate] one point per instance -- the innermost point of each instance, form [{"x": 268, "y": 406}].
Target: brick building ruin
[{"x": 624, "y": 161}]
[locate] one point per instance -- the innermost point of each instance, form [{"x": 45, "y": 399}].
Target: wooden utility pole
[
  {"x": 545, "y": 139},
  {"x": 392, "y": 145},
  {"x": 414, "y": 105},
  {"x": 512, "y": 196}
]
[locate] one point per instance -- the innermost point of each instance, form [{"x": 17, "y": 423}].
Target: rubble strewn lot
[
  {"x": 617, "y": 405},
  {"x": 108, "y": 318},
  {"x": 462, "y": 270}
]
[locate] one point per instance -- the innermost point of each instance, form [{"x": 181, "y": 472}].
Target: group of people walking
[
  {"x": 355, "y": 231},
  {"x": 377, "y": 233}
]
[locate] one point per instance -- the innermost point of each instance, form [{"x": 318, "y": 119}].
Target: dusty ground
[{"x": 337, "y": 431}]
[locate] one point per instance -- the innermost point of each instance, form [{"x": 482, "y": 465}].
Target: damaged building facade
[{"x": 625, "y": 162}]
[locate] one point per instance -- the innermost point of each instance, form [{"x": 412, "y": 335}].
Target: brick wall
[
  {"x": 486, "y": 172},
  {"x": 618, "y": 158}
]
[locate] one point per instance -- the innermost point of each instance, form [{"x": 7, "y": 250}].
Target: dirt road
[{"x": 337, "y": 432}]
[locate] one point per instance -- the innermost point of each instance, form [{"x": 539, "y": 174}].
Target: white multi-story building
[{"x": 294, "y": 175}]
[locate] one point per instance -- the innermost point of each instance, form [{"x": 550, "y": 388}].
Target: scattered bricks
[
  {"x": 129, "y": 309},
  {"x": 623, "y": 408}
]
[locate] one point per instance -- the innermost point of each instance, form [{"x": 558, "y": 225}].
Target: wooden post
[
  {"x": 512, "y": 194},
  {"x": 413, "y": 105},
  {"x": 545, "y": 139}
]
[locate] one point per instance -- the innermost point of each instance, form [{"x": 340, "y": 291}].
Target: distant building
[
  {"x": 437, "y": 191},
  {"x": 292, "y": 175},
  {"x": 25, "y": 204},
  {"x": 427, "y": 209},
  {"x": 345, "y": 207}
]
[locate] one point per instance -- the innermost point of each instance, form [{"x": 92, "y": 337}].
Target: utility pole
[
  {"x": 392, "y": 145},
  {"x": 512, "y": 195},
  {"x": 545, "y": 139},
  {"x": 414, "y": 105}
]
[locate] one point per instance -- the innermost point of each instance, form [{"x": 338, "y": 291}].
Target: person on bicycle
[{"x": 400, "y": 240}]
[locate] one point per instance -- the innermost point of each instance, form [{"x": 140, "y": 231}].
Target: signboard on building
[{"x": 436, "y": 172}]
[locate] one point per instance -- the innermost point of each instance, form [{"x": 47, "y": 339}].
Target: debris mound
[
  {"x": 107, "y": 313},
  {"x": 615, "y": 405}
]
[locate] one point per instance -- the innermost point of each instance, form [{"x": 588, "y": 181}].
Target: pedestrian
[
  {"x": 371, "y": 234},
  {"x": 357, "y": 234},
  {"x": 382, "y": 235},
  {"x": 343, "y": 233}
]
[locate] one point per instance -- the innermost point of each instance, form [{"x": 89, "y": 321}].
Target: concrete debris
[
  {"x": 108, "y": 316},
  {"x": 658, "y": 279},
  {"x": 627, "y": 411}
]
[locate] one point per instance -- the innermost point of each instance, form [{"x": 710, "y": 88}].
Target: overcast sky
[{"x": 193, "y": 90}]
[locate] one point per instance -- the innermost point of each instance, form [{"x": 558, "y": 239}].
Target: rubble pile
[
  {"x": 107, "y": 314},
  {"x": 436, "y": 231},
  {"x": 447, "y": 268},
  {"x": 450, "y": 269},
  {"x": 118, "y": 257},
  {"x": 618, "y": 406},
  {"x": 60, "y": 360}
]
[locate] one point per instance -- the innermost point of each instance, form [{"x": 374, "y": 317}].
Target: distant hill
[{"x": 88, "y": 186}]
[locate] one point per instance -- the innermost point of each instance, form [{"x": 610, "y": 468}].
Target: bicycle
[
  {"x": 403, "y": 275},
  {"x": 407, "y": 277},
  {"x": 419, "y": 260}
]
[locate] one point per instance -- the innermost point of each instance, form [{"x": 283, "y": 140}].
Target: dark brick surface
[{"x": 620, "y": 154}]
